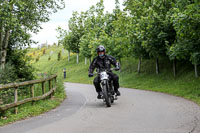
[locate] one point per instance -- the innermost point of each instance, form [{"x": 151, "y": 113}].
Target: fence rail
[{"x": 51, "y": 84}]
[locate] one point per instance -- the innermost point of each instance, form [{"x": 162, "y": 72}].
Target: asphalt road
[{"x": 136, "y": 111}]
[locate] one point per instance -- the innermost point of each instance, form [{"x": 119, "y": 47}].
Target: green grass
[
  {"x": 42, "y": 66},
  {"x": 184, "y": 85},
  {"x": 28, "y": 110}
]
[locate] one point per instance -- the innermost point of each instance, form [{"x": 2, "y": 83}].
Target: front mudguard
[{"x": 104, "y": 82}]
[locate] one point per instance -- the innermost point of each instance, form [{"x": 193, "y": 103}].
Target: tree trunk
[
  {"x": 85, "y": 60},
  {"x": 1, "y": 41},
  {"x": 174, "y": 67},
  {"x": 4, "y": 47},
  {"x": 139, "y": 65},
  {"x": 68, "y": 55},
  {"x": 77, "y": 59},
  {"x": 1, "y": 38},
  {"x": 196, "y": 70},
  {"x": 157, "y": 66}
]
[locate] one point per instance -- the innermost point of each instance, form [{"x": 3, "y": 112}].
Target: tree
[
  {"x": 67, "y": 43},
  {"x": 19, "y": 18},
  {"x": 76, "y": 28},
  {"x": 87, "y": 44},
  {"x": 116, "y": 29},
  {"x": 119, "y": 41},
  {"x": 61, "y": 35},
  {"x": 93, "y": 28},
  {"x": 64, "y": 39},
  {"x": 136, "y": 10},
  {"x": 186, "y": 21},
  {"x": 151, "y": 29}
]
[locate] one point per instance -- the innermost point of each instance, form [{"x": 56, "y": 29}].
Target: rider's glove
[
  {"x": 117, "y": 68},
  {"x": 90, "y": 75}
]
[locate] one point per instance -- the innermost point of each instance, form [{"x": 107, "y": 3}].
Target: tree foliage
[
  {"x": 144, "y": 29},
  {"x": 187, "y": 26},
  {"x": 19, "y": 18}
]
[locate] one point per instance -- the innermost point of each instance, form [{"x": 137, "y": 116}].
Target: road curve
[{"x": 136, "y": 111}]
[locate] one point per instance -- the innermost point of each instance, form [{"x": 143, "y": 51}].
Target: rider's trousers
[{"x": 113, "y": 76}]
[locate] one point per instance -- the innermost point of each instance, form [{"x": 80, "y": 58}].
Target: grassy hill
[
  {"x": 44, "y": 67},
  {"x": 185, "y": 84},
  {"x": 46, "y": 62}
]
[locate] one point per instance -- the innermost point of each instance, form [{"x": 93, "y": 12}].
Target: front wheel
[{"x": 105, "y": 94}]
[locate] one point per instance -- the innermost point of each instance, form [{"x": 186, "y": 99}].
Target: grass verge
[
  {"x": 184, "y": 84},
  {"x": 43, "y": 66}
]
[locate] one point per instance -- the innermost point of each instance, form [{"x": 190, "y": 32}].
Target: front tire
[{"x": 105, "y": 94}]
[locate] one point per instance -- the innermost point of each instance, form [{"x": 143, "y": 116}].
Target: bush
[
  {"x": 17, "y": 69},
  {"x": 44, "y": 51},
  {"x": 21, "y": 63},
  {"x": 37, "y": 59},
  {"x": 49, "y": 58},
  {"x": 8, "y": 74},
  {"x": 59, "y": 55}
]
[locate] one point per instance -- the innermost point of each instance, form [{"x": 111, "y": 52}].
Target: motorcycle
[{"x": 107, "y": 87}]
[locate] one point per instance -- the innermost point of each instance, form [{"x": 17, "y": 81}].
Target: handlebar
[
  {"x": 104, "y": 70},
  {"x": 107, "y": 70}
]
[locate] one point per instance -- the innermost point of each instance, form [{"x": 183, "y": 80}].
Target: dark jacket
[{"x": 104, "y": 63}]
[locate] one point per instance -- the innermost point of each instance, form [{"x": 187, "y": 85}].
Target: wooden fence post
[
  {"x": 32, "y": 92},
  {"x": 16, "y": 99},
  {"x": 50, "y": 87},
  {"x": 43, "y": 88},
  {"x": 52, "y": 83},
  {"x": 55, "y": 83}
]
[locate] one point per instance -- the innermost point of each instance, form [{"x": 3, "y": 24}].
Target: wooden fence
[{"x": 51, "y": 89}]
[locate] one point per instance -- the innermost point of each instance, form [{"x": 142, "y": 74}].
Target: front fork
[
  {"x": 110, "y": 90},
  {"x": 103, "y": 83}
]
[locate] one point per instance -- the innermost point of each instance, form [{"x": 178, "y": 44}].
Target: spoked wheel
[{"x": 106, "y": 96}]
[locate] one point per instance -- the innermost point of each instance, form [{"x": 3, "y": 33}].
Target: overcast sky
[{"x": 48, "y": 33}]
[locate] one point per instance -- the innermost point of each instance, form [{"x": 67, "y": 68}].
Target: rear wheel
[{"x": 106, "y": 96}]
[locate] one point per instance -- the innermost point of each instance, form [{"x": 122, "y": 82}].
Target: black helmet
[
  {"x": 101, "y": 51},
  {"x": 101, "y": 48}
]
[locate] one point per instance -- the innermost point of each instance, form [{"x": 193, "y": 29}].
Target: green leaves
[
  {"x": 18, "y": 19},
  {"x": 195, "y": 58},
  {"x": 165, "y": 27},
  {"x": 147, "y": 29},
  {"x": 186, "y": 21}
]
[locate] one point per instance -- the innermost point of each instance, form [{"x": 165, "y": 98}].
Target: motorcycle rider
[{"x": 103, "y": 61}]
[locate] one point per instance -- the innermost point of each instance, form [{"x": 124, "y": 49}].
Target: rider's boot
[
  {"x": 117, "y": 92},
  {"x": 99, "y": 96}
]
